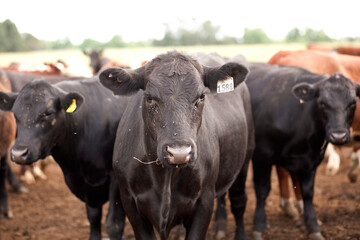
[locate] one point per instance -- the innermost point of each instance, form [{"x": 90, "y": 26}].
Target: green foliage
[
  {"x": 198, "y": 34},
  {"x": 294, "y": 36},
  {"x": 202, "y": 34},
  {"x": 91, "y": 44},
  {"x": 309, "y": 35},
  {"x": 60, "y": 44},
  {"x": 255, "y": 36},
  {"x": 115, "y": 42},
  {"x": 32, "y": 43}
]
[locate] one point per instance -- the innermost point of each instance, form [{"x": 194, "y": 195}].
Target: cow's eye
[
  {"x": 48, "y": 115},
  {"x": 149, "y": 100},
  {"x": 199, "y": 101}
]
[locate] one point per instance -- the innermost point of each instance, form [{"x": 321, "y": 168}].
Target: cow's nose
[
  {"x": 338, "y": 137},
  {"x": 179, "y": 155},
  {"x": 19, "y": 155}
]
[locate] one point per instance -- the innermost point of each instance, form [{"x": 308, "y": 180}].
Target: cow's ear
[
  {"x": 71, "y": 102},
  {"x": 305, "y": 91},
  {"x": 232, "y": 72},
  {"x": 123, "y": 81},
  {"x": 7, "y": 100}
]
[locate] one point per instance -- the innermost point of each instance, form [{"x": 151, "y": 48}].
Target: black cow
[
  {"x": 296, "y": 113},
  {"x": 96, "y": 59},
  {"x": 184, "y": 144},
  {"x": 75, "y": 122}
]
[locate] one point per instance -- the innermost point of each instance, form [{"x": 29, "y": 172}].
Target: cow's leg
[
  {"x": 286, "y": 203},
  {"x": 238, "y": 199},
  {"x": 197, "y": 225},
  {"x": 262, "y": 184},
  {"x": 298, "y": 195},
  {"x": 143, "y": 229},
  {"x": 354, "y": 167},
  {"x": 13, "y": 181},
  {"x": 5, "y": 210},
  {"x": 115, "y": 220},
  {"x": 220, "y": 221},
  {"x": 94, "y": 217},
  {"x": 307, "y": 189}
]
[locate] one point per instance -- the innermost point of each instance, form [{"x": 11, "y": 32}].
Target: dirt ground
[{"x": 50, "y": 211}]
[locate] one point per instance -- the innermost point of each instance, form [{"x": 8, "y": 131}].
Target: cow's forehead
[
  {"x": 338, "y": 86},
  {"x": 174, "y": 78},
  {"x": 34, "y": 96}
]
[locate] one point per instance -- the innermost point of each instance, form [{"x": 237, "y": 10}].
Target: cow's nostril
[
  {"x": 179, "y": 155},
  {"x": 19, "y": 155},
  {"x": 338, "y": 137}
]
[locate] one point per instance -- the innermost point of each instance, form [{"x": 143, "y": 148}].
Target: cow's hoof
[
  {"x": 21, "y": 189},
  {"x": 288, "y": 208},
  {"x": 257, "y": 235},
  {"x": 331, "y": 171},
  {"x": 220, "y": 235},
  {"x": 316, "y": 236},
  {"x": 38, "y": 173},
  {"x": 28, "y": 177},
  {"x": 352, "y": 177},
  {"x": 6, "y": 214}
]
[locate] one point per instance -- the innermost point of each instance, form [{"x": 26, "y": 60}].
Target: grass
[{"x": 134, "y": 56}]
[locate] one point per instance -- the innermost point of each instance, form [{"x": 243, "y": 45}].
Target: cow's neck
[{"x": 165, "y": 206}]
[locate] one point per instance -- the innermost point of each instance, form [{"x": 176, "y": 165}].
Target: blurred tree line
[{"x": 199, "y": 34}]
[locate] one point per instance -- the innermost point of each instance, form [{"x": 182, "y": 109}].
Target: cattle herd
[{"x": 163, "y": 141}]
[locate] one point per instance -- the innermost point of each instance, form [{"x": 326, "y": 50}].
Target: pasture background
[
  {"x": 134, "y": 56},
  {"x": 51, "y": 211}
]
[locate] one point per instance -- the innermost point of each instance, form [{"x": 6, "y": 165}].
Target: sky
[{"x": 136, "y": 20}]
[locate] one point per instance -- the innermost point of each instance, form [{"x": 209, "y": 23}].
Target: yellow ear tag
[{"x": 72, "y": 107}]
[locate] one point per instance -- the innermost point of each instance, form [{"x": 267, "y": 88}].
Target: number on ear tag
[
  {"x": 72, "y": 107},
  {"x": 226, "y": 85}
]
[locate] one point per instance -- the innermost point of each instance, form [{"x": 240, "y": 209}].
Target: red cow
[
  {"x": 323, "y": 63},
  {"x": 348, "y": 50},
  {"x": 8, "y": 131}
]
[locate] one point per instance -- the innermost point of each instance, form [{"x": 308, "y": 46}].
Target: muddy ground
[{"x": 50, "y": 211}]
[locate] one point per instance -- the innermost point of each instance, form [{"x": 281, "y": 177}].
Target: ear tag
[
  {"x": 225, "y": 85},
  {"x": 72, "y": 107}
]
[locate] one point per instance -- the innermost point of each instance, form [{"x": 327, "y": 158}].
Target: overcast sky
[{"x": 141, "y": 20}]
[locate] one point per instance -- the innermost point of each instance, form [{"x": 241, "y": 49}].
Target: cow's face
[
  {"x": 336, "y": 102},
  {"x": 175, "y": 88},
  {"x": 95, "y": 59},
  {"x": 39, "y": 110}
]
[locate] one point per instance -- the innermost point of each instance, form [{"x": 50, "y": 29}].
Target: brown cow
[
  {"x": 8, "y": 131},
  {"x": 348, "y": 50},
  {"x": 323, "y": 63}
]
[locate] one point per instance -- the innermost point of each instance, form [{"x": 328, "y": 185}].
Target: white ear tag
[{"x": 226, "y": 85}]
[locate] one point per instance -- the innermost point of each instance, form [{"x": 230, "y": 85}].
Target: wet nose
[
  {"x": 179, "y": 155},
  {"x": 19, "y": 155},
  {"x": 338, "y": 137}
]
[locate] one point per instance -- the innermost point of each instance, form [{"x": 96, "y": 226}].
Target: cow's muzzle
[
  {"x": 339, "y": 137},
  {"x": 20, "y": 155},
  {"x": 179, "y": 154}
]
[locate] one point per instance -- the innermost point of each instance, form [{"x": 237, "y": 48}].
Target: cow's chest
[{"x": 169, "y": 196}]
